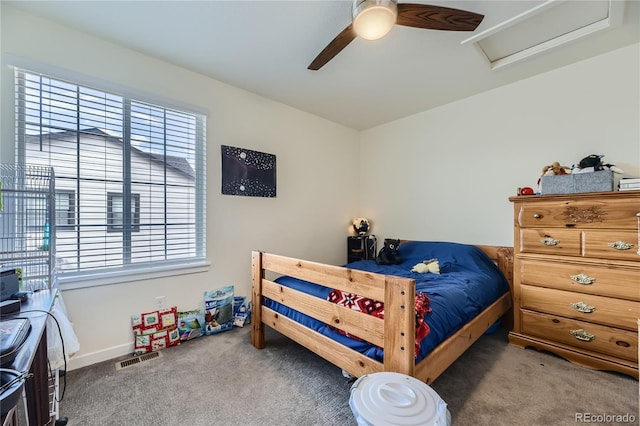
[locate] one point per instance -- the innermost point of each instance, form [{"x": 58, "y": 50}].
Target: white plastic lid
[{"x": 396, "y": 399}]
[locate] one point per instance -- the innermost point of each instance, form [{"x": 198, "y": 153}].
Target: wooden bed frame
[{"x": 395, "y": 333}]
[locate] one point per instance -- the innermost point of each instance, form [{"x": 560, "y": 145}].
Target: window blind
[{"x": 112, "y": 154}]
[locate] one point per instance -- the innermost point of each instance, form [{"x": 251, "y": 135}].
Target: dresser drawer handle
[
  {"x": 537, "y": 216},
  {"x": 550, "y": 241},
  {"x": 620, "y": 245},
  {"x": 583, "y": 307},
  {"x": 580, "y": 334},
  {"x": 583, "y": 279}
]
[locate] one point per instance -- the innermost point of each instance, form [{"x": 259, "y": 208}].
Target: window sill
[{"x": 75, "y": 282}]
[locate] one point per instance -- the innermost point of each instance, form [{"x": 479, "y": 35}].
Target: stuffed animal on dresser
[{"x": 388, "y": 254}]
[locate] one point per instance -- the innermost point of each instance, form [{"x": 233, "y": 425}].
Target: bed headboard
[{"x": 501, "y": 255}]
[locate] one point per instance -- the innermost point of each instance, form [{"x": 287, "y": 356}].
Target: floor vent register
[{"x": 120, "y": 365}]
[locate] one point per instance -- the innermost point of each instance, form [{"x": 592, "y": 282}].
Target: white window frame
[{"x": 141, "y": 271}]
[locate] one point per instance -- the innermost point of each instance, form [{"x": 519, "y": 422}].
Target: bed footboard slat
[
  {"x": 354, "y": 322},
  {"x": 351, "y": 361},
  {"x": 367, "y": 284}
]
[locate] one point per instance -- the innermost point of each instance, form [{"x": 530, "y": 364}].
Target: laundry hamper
[{"x": 396, "y": 399}]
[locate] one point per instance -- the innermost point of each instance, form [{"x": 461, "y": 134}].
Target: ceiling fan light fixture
[{"x": 373, "y": 19}]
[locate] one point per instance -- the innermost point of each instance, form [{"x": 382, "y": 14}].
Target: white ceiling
[{"x": 266, "y": 46}]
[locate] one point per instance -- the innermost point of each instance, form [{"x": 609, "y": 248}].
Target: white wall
[
  {"x": 316, "y": 162},
  {"x": 447, "y": 173}
]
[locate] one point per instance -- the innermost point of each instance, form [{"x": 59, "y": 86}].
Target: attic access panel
[
  {"x": 549, "y": 25},
  {"x": 248, "y": 173}
]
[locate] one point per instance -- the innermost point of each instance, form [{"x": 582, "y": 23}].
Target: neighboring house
[{"x": 90, "y": 224}]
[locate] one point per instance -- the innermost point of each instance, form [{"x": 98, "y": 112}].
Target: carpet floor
[{"x": 222, "y": 380}]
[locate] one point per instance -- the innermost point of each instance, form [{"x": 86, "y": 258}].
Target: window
[
  {"x": 115, "y": 212},
  {"x": 65, "y": 209},
  {"x": 35, "y": 207},
  {"x": 112, "y": 154}
]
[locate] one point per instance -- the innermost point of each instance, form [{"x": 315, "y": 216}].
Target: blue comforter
[{"x": 468, "y": 283}]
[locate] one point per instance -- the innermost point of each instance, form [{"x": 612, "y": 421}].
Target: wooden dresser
[{"x": 577, "y": 277}]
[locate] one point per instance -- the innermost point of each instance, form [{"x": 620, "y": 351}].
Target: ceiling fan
[{"x": 373, "y": 19}]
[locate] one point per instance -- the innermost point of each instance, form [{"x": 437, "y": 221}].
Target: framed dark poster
[{"x": 248, "y": 173}]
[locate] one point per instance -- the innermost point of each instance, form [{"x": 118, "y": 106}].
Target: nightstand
[{"x": 361, "y": 247}]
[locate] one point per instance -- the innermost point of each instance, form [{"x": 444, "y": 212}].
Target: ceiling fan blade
[
  {"x": 333, "y": 48},
  {"x": 437, "y": 17}
]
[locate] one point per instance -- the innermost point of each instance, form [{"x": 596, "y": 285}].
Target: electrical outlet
[{"x": 160, "y": 301}]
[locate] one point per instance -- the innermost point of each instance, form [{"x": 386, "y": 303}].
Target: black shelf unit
[{"x": 361, "y": 247}]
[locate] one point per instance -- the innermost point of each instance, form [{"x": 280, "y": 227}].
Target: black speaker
[{"x": 8, "y": 284}]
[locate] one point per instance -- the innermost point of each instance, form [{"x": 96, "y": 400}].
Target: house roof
[{"x": 179, "y": 164}]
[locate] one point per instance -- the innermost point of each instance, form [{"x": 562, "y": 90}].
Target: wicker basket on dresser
[{"x": 577, "y": 277}]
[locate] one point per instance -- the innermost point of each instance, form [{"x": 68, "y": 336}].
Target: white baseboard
[{"x": 79, "y": 361}]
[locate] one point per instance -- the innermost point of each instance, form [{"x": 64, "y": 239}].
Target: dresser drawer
[
  {"x": 583, "y": 335},
  {"x": 591, "y": 213},
  {"x": 586, "y": 307},
  {"x": 550, "y": 241},
  {"x": 616, "y": 281},
  {"x": 612, "y": 245}
]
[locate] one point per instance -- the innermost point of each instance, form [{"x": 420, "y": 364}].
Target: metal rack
[
  {"x": 27, "y": 240},
  {"x": 54, "y": 397},
  {"x": 18, "y": 414},
  {"x": 27, "y": 224}
]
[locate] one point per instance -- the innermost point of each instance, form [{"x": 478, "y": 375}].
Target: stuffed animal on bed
[
  {"x": 388, "y": 254},
  {"x": 430, "y": 265}
]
